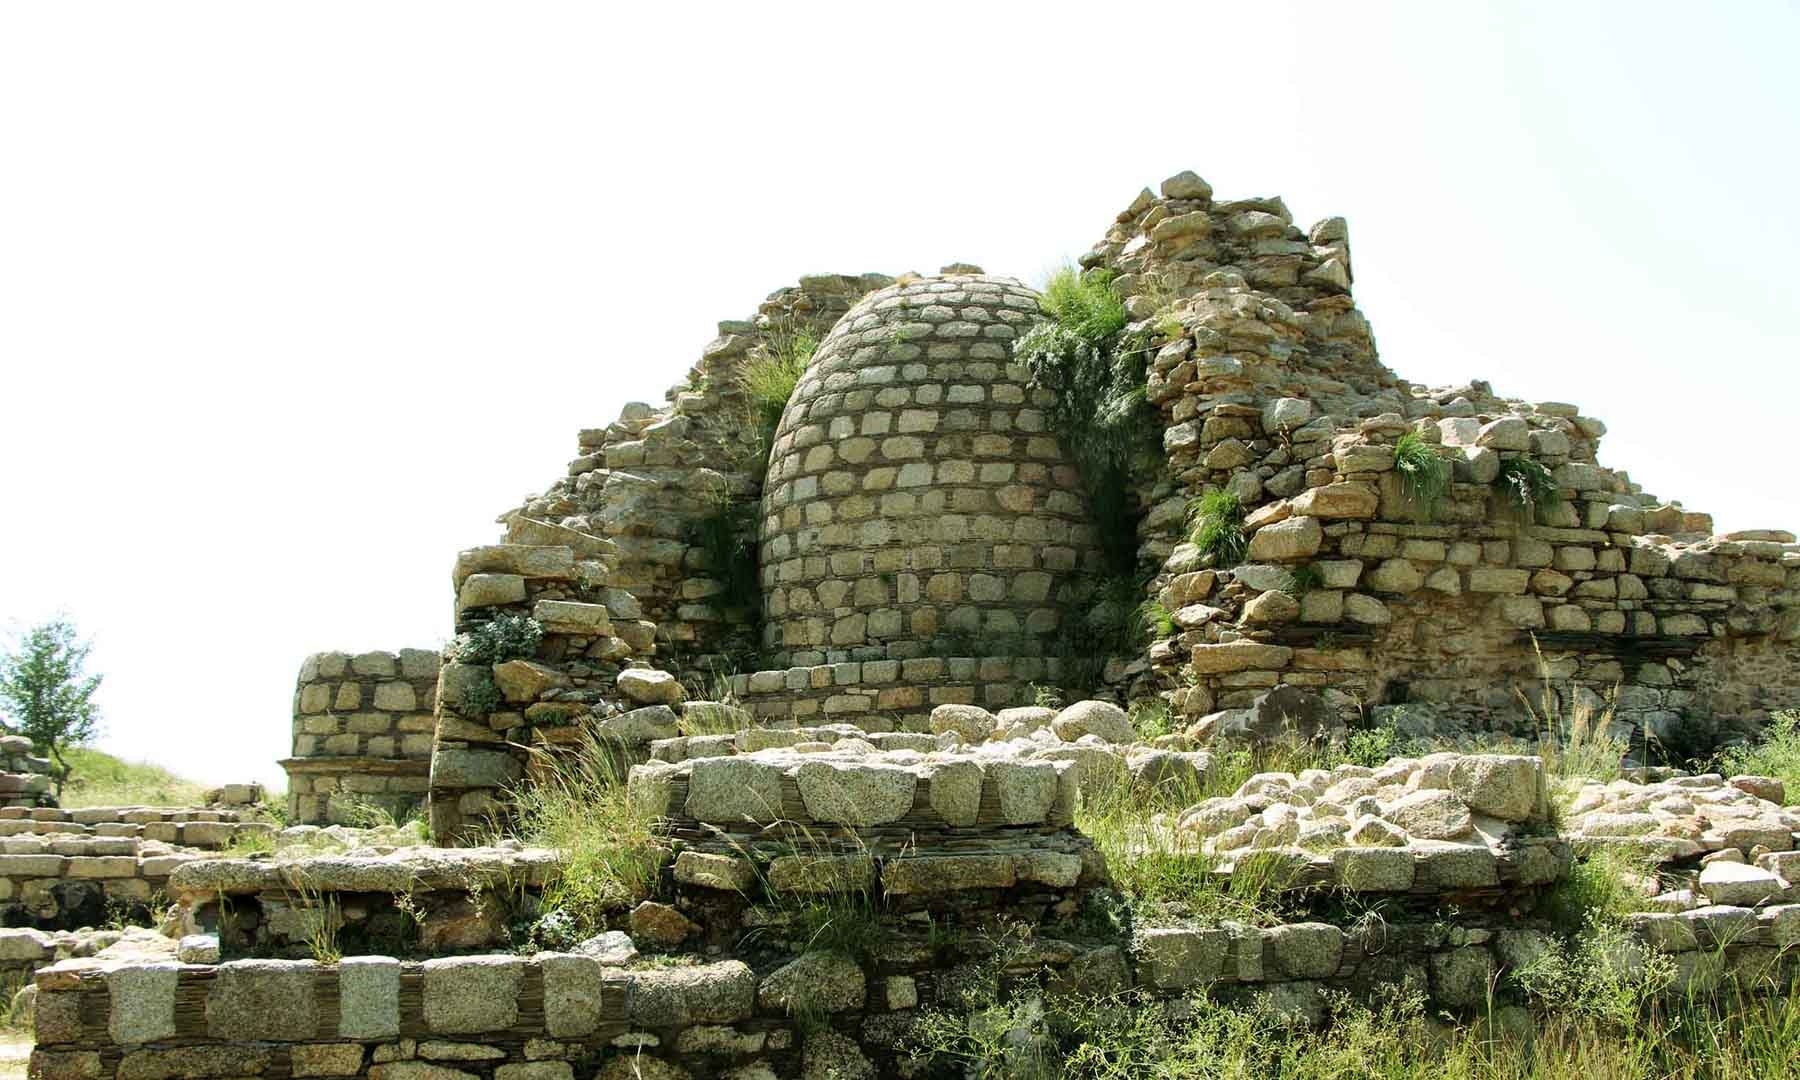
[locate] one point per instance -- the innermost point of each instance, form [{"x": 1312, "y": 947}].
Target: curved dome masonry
[{"x": 914, "y": 495}]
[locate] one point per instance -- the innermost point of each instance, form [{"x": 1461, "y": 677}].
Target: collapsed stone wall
[
  {"x": 24, "y": 777},
  {"x": 90, "y": 867},
  {"x": 646, "y": 480},
  {"x": 915, "y": 510},
  {"x": 1270, "y": 388},
  {"x": 363, "y": 732}
]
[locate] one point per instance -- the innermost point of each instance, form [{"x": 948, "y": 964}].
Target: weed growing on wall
[
  {"x": 768, "y": 378},
  {"x": 1525, "y": 489},
  {"x": 577, "y": 804},
  {"x": 1216, "y": 527},
  {"x": 1081, "y": 352},
  {"x": 1424, "y": 476},
  {"x": 502, "y": 638},
  {"x": 727, "y": 539}
]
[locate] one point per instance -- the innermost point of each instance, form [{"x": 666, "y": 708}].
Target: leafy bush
[
  {"x": 1525, "y": 489},
  {"x": 1375, "y": 747},
  {"x": 1100, "y": 415},
  {"x": 502, "y": 638},
  {"x": 1216, "y": 524},
  {"x": 1776, "y": 753},
  {"x": 1424, "y": 476}
]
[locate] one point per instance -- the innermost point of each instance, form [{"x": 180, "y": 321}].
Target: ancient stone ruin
[{"x": 858, "y": 650}]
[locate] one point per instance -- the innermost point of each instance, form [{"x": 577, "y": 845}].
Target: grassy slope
[{"x": 100, "y": 779}]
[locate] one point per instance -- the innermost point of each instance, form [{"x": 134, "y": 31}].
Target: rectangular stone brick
[
  {"x": 573, "y": 992},
  {"x": 103, "y": 866},
  {"x": 267, "y": 1000},
  {"x": 368, "y": 997},
  {"x": 328, "y": 1059},
  {"x": 473, "y": 994},
  {"x": 143, "y": 1003}
]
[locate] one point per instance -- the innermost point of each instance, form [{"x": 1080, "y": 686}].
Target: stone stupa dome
[{"x": 916, "y": 498}]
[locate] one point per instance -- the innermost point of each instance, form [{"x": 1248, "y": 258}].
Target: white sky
[{"x": 295, "y": 298}]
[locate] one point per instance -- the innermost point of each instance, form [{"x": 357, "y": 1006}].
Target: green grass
[
  {"x": 1216, "y": 527},
  {"x": 1525, "y": 489},
  {"x": 1081, "y": 352},
  {"x": 768, "y": 378},
  {"x": 1776, "y": 753},
  {"x": 1132, "y": 1035},
  {"x": 576, "y": 802},
  {"x": 1424, "y": 476},
  {"x": 100, "y": 779}
]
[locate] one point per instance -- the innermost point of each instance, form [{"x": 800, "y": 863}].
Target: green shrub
[
  {"x": 1302, "y": 579},
  {"x": 1216, "y": 527},
  {"x": 1102, "y": 419},
  {"x": 1602, "y": 887},
  {"x": 502, "y": 638},
  {"x": 1776, "y": 753},
  {"x": 1424, "y": 476},
  {"x": 1376, "y": 746},
  {"x": 1526, "y": 489},
  {"x": 1156, "y": 620}
]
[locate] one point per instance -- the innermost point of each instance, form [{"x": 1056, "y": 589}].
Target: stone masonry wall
[
  {"x": 1270, "y": 388},
  {"x": 362, "y": 735}
]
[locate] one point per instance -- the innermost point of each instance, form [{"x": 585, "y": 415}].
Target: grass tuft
[
  {"x": 1776, "y": 753},
  {"x": 576, "y": 803},
  {"x": 1216, "y": 527},
  {"x": 1424, "y": 476},
  {"x": 1526, "y": 489}
]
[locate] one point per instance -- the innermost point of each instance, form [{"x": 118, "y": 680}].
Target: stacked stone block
[
  {"x": 645, "y": 481},
  {"x": 1271, "y": 389},
  {"x": 363, "y": 731},
  {"x": 62, "y": 882},
  {"x": 883, "y": 695},
  {"x": 24, "y": 777},
  {"x": 914, "y": 490},
  {"x": 491, "y": 716}
]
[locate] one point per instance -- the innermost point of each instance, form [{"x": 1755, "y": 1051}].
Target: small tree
[{"x": 46, "y": 695}]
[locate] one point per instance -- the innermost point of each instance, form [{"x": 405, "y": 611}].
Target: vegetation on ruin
[
  {"x": 502, "y": 638},
  {"x": 576, "y": 802},
  {"x": 1082, "y": 352},
  {"x": 1599, "y": 1006},
  {"x": 1525, "y": 489},
  {"x": 770, "y": 374},
  {"x": 1611, "y": 1024},
  {"x": 727, "y": 538},
  {"x": 1776, "y": 753},
  {"x": 100, "y": 779},
  {"x": 1302, "y": 579},
  {"x": 1216, "y": 527},
  {"x": 1424, "y": 476}
]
